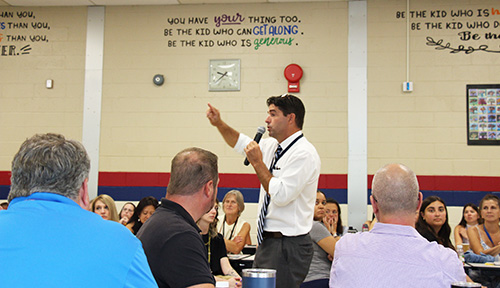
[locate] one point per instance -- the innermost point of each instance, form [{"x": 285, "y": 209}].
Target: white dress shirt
[{"x": 293, "y": 185}]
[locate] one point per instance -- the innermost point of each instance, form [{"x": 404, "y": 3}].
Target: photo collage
[{"x": 484, "y": 114}]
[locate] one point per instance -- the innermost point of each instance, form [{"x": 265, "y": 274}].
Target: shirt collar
[
  {"x": 290, "y": 139},
  {"x": 178, "y": 209},
  {"x": 45, "y": 196},
  {"x": 394, "y": 229}
]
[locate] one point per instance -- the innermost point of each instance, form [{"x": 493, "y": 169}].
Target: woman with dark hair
[
  {"x": 485, "y": 237},
  {"x": 332, "y": 219},
  {"x": 470, "y": 218},
  {"x": 126, "y": 213},
  {"x": 144, "y": 210},
  {"x": 324, "y": 247},
  {"x": 216, "y": 249},
  {"x": 432, "y": 221}
]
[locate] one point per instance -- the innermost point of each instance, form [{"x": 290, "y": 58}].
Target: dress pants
[{"x": 290, "y": 256}]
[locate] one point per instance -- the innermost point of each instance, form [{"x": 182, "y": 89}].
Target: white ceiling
[{"x": 14, "y": 3}]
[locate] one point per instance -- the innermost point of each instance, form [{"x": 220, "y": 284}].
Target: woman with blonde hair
[
  {"x": 104, "y": 206},
  {"x": 485, "y": 238},
  {"x": 236, "y": 231}
]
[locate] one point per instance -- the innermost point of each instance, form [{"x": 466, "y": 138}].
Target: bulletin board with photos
[{"x": 483, "y": 114}]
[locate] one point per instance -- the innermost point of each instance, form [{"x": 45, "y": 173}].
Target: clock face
[{"x": 224, "y": 75}]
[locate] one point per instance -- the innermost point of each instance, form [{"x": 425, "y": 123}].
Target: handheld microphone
[{"x": 260, "y": 132}]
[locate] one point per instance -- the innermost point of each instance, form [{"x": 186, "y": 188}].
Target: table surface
[
  {"x": 246, "y": 257},
  {"x": 487, "y": 265}
]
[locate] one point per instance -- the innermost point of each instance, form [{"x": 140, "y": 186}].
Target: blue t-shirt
[{"x": 48, "y": 240}]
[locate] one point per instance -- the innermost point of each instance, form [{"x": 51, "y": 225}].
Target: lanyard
[
  {"x": 273, "y": 163},
  {"x": 488, "y": 234},
  {"x": 224, "y": 228},
  {"x": 209, "y": 250}
]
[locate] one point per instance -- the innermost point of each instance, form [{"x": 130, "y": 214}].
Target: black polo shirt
[{"x": 174, "y": 248}]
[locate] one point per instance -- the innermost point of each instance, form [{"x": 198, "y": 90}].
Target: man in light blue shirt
[
  {"x": 48, "y": 240},
  {"x": 393, "y": 253}
]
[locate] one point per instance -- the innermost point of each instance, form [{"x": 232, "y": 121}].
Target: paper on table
[
  {"x": 237, "y": 256},
  {"x": 222, "y": 284}
]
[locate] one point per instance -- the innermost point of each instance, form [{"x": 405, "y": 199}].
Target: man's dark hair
[
  {"x": 191, "y": 169},
  {"x": 288, "y": 103}
]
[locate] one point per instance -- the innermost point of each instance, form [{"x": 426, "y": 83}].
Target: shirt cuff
[{"x": 243, "y": 141}]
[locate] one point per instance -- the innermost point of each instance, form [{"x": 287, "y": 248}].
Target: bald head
[{"x": 395, "y": 190}]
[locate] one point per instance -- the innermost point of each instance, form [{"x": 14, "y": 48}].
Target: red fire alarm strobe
[{"x": 293, "y": 73}]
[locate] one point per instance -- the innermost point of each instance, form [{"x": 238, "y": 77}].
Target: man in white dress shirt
[{"x": 288, "y": 169}]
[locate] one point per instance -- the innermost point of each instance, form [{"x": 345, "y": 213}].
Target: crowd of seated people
[{"x": 478, "y": 227}]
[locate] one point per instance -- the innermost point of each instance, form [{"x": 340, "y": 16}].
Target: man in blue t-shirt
[{"x": 48, "y": 240}]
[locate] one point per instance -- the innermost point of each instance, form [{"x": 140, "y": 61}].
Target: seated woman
[
  {"x": 216, "y": 249},
  {"x": 105, "y": 206},
  {"x": 432, "y": 221},
  {"x": 126, "y": 213},
  {"x": 324, "y": 246},
  {"x": 332, "y": 219},
  {"x": 470, "y": 218},
  {"x": 236, "y": 231},
  {"x": 485, "y": 237},
  {"x": 144, "y": 210}
]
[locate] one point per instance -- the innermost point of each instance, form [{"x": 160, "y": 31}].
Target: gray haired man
[{"x": 48, "y": 240}]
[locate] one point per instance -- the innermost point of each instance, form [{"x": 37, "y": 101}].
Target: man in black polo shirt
[{"x": 171, "y": 238}]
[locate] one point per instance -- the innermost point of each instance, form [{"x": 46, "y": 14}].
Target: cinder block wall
[{"x": 144, "y": 126}]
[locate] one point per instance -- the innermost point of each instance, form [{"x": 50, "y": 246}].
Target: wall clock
[{"x": 224, "y": 75}]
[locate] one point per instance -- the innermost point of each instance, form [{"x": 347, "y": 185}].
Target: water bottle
[
  {"x": 460, "y": 252},
  {"x": 365, "y": 228}
]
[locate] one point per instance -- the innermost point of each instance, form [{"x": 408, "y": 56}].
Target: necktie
[{"x": 263, "y": 210}]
